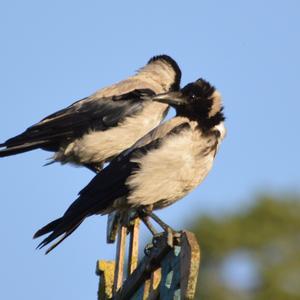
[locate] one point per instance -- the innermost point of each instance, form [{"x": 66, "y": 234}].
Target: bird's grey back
[{"x": 157, "y": 76}]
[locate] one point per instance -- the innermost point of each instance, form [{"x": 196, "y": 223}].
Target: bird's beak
[{"x": 171, "y": 98}]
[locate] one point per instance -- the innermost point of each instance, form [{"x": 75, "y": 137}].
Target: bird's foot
[
  {"x": 161, "y": 239},
  {"x": 156, "y": 240},
  {"x": 148, "y": 248}
]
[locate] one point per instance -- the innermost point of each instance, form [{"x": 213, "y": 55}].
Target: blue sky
[{"x": 53, "y": 53}]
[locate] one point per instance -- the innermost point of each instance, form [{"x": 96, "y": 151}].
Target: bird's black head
[{"x": 198, "y": 101}]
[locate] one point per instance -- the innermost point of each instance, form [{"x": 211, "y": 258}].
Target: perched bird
[
  {"x": 95, "y": 129},
  {"x": 159, "y": 169}
]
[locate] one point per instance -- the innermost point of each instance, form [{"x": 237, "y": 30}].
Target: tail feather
[
  {"x": 32, "y": 139},
  {"x": 20, "y": 148},
  {"x": 48, "y": 228},
  {"x": 61, "y": 227},
  {"x": 54, "y": 245},
  {"x": 97, "y": 197}
]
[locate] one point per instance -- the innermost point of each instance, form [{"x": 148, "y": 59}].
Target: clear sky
[{"x": 53, "y": 53}]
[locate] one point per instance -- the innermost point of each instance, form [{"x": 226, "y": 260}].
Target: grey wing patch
[{"x": 213, "y": 142}]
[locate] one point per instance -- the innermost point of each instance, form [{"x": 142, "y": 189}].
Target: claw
[{"x": 148, "y": 248}]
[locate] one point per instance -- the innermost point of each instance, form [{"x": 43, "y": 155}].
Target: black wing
[
  {"x": 75, "y": 120},
  {"x": 98, "y": 196}
]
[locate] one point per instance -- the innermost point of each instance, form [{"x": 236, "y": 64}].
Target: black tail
[
  {"x": 48, "y": 228},
  {"x": 37, "y": 136},
  {"x": 61, "y": 227},
  {"x": 96, "y": 198},
  {"x": 16, "y": 149}
]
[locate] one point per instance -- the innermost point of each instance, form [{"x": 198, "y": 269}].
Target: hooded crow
[
  {"x": 95, "y": 129},
  {"x": 159, "y": 169}
]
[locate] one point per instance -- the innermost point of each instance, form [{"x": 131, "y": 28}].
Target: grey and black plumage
[
  {"x": 159, "y": 169},
  {"x": 95, "y": 129}
]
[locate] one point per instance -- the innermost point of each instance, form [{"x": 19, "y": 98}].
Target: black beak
[{"x": 171, "y": 98}]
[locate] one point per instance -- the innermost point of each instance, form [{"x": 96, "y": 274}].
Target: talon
[{"x": 147, "y": 249}]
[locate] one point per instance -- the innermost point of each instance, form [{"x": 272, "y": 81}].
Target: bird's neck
[
  {"x": 208, "y": 123},
  {"x": 204, "y": 122}
]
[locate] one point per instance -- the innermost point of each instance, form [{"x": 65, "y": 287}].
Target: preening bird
[
  {"x": 95, "y": 129},
  {"x": 159, "y": 169}
]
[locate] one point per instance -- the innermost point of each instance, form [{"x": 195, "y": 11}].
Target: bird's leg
[
  {"x": 161, "y": 223},
  {"x": 142, "y": 213},
  {"x": 147, "y": 212},
  {"x": 148, "y": 224}
]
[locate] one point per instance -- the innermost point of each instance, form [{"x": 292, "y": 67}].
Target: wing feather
[{"x": 76, "y": 120}]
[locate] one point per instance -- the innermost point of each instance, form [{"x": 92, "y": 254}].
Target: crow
[
  {"x": 159, "y": 169},
  {"x": 92, "y": 131}
]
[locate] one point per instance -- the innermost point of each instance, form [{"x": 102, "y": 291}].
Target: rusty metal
[
  {"x": 106, "y": 271},
  {"x": 133, "y": 256},
  {"x": 120, "y": 258},
  {"x": 169, "y": 270}
]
